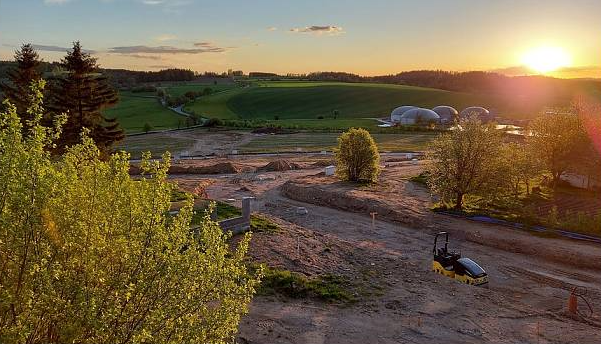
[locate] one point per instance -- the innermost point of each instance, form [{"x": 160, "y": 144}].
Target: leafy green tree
[
  {"x": 588, "y": 163},
  {"x": 466, "y": 161},
  {"x": 82, "y": 93},
  {"x": 90, "y": 255},
  {"x": 521, "y": 165},
  {"x": 357, "y": 156},
  {"x": 556, "y": 138},
  {"x": 18, "y": 89}
]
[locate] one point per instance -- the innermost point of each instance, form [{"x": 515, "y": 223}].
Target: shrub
[
  {"x": 147, "y": 127},
  {"x": 213, "y": 122},
  {"x": 357, "y": 157},
  {"x": 90, "y": 255}
]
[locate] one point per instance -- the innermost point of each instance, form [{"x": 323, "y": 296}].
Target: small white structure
[
  {"x": 409, "y": 156},
  {"x": 301, "y": 211},
  {"x": 395, "y": 116},
  {"x": 415, "y": 161},
  {"x": 234, "y": 152},
  {"x": 330, "y": 170}
]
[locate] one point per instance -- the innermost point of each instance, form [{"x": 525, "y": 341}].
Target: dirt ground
[{"x": 399, "y": 300}]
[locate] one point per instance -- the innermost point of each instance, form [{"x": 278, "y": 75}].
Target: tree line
[{"x": 80, "y": 91}]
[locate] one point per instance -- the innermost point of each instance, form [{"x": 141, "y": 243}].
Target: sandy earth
[{"x": 399, "y": 299}]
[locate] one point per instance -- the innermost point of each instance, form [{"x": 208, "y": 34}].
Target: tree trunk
[
  {"x": 459, "y": 202},
  {"x": 556, "y": 177}
]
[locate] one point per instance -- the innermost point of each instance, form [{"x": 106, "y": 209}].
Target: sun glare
[{"x": 546, "y": 59}]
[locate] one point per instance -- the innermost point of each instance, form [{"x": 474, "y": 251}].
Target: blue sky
[{"x": 366, "y": 37}]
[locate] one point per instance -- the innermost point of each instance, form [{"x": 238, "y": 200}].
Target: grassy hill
[
  {"x": 306, "y": 102},
  {"x": 133, "y": 111},
  {"x": 136, "y": 109}
]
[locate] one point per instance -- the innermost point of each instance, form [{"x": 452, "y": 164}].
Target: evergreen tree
[
  {"x": 82, "y": 93},
  {"x": 18, "y": 89}
]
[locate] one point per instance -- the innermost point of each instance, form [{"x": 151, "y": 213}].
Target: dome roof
[
  {"x": 446, "y": 113},
  {"x": 419, "y": 114},
  {"x": 475, "y": 111},
  {"x": 396, "y": 114},
  {"x": 402, "y": 109}
]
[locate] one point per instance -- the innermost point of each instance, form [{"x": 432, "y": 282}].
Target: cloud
[
  {"x": 55, "y": 48},
  {"x": 272, "y": 28},
  {"x": 165, "y": 37},
  {"x": 320, "y": 30},
  {"x": 56, "y": 2},
  {"x": 199, "y": 48},
  {"x": 147, "y": 57},
  {"x": 169, "y": 6}
]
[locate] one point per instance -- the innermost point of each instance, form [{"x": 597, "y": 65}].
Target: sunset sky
[{"x": 560, "y": 38}]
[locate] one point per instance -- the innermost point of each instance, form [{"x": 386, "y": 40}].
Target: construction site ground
[{"x": 387, "y": 261}]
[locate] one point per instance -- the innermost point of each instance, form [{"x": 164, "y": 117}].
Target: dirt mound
[
  {"x": 407, "y": 210},
  {"x": 339, "y": 199},
  {"x": 279, "y": 165},
  {"x": 272, "y": 130},
  {"x": 220, "y": 168},
  {"x": 324, "y": 163}
]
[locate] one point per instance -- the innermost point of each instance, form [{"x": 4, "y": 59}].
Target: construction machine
[{"x": 451, "y": 264}]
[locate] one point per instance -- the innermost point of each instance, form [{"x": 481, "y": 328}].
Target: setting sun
[{"x": 546, "y": 59}]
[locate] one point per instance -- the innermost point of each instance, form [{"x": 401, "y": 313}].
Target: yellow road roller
[{"x": 451, "y": 264}]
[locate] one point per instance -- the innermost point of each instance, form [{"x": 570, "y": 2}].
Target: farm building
[
  {"x": 395, "y": 116},
  {"x": 478, "y": 111},
  {"x": 419, "y": 116},
  {"x": 447, "y": 114}
]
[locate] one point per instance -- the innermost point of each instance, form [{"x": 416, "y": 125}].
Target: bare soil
[{"x": 399, "y": 300}]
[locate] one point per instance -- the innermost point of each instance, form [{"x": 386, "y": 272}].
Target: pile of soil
[
  {"x": 324, "y": 163},
  {"x": 273, "y": 131},
  {"x": 413, "y": 212},
  {"x": 220, "y": 168},
  {"x": 278, "y": 166}
]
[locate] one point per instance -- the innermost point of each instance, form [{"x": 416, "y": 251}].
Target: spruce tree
[
  {"x": 18, "y": 89},
  {"x": 82, "y": 92}
]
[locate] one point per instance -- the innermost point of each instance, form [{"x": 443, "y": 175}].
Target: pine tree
[
  {"x": 18, "y": 89},
  {"x": 82, "y": 93}
]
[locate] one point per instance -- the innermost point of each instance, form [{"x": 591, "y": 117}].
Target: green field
[
  {"x": 133, "y": 111},
  {"x": 310, "y": 100},
  {"x": 180, "y": 90}
]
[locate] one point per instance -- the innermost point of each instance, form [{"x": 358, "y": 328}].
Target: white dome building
[
  {"x": 478, "y": 111},
  {"x": 419, "y": 116},
  {"x": 447, "y": 114},
  {"x": 395, "y": 116}
]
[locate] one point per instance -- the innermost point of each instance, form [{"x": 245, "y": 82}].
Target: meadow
[
  {"x": 135, "y": 110},
  {"x": 316, "y": 101}
]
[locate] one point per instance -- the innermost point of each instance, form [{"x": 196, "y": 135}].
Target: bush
[
  {"x": 147, "y": 127},
  {"x": 90, "y": 255},
  {"x": 213, "y": 122},
  {"x": 357, "y": 157}
]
